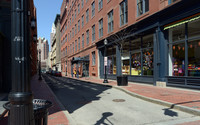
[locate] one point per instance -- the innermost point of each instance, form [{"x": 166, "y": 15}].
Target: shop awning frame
[{"x": 183, "y": 21}]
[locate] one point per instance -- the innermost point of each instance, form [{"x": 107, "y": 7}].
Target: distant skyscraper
[{"x": 43, "y": 45}]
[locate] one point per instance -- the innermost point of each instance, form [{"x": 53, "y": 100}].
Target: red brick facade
[{"x": 68, "y": 13}]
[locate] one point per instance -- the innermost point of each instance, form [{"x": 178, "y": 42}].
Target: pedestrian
[{"x": 75, "y": 73}]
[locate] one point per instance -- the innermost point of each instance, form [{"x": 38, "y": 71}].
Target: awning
[
  {"x": 183, "y": 21},
  {"x": 79, "y": 59}
]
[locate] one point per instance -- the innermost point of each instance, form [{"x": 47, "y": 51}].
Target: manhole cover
[{"x": 118, "y": 100}]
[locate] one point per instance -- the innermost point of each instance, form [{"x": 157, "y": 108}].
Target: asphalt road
[{"x": 92, "y": 104}]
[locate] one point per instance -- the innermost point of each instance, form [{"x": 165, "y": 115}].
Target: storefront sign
[{"x": 105, "y": 61}]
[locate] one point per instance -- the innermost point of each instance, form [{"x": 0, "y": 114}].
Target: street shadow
[
  {"x": 73, "y": 93},
  {"x": 170, "y": 112},
  {"x": 104, "y": 118}
]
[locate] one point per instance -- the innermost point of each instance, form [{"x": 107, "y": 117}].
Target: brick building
[{"x": 147, "y": 40}]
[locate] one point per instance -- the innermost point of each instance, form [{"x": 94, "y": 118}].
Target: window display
[
  {"x": 178, "y": 38},
  {"x": 148, "y": 62},
  {"x": 136, "y": 64},
  {"x": 125, "y": 64},
  {"x": 194, "y": 58}
]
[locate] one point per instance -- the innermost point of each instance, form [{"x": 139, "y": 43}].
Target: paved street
[{"x": 92, "y": 104}]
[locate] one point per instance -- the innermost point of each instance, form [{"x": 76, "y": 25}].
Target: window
[
  {"x": 142, "y": 6},
  {"x": 78, "y": 8},
  {"x": 78, "y": 25},
  {"x": 93, "y": 9},
  {"x": 66, "y": 51},
  {"x": 75, "y": 29},
  {"x": 75, "y": 45},
  {"x": 70, "y": 21},
  {"x": 87, "y": 15},
  {"x": 82, "y": 3},
  {"x": 100, "y": 4},
  {"x": 79, "y": 43},
  {"x": 171, "y": 1},
  {"x": 123, "y": 12},
  {"x": 93, "y": 33},
  {"x": 82, "y": 21},
  {"x": 93, "y": 58},
  {"x": 72, "y": 32},
  {"x": 87, "y": 37},
  {"x": 110, "y": 21},
  {"x": 72, "y": 18},
  {"x": 100, "y": 28},
  {"x": 75, "y": 14},
  {"x": 82, "y": 40},
  {"x": 86, "y": 1}
]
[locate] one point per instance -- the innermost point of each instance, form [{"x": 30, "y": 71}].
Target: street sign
[{"x": 105, "y": 61}]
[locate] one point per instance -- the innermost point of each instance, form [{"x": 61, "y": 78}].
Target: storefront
[
  {"x": 134, "y": 58},
  {"x": 80, "y": 66},
  {"x": 184, "y": 49}
]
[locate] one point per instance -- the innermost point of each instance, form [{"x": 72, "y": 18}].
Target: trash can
[
  {"x": 122, "y": 80},
  {"x": 40, "y": 108}
]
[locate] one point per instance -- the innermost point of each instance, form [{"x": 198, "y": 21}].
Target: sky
[{"x": 46, "y": 13}]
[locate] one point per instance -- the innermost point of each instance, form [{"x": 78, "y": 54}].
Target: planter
[{"x": 122, "y": 80}]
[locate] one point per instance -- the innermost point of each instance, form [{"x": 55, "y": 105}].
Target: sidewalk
[
  {"x": 41, "y": 91},
  {"x": 182, "y": 99}
]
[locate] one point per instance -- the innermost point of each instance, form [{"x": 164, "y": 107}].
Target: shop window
[
  {"x": 178, "y": 33},
  {"x": 177, "y": 59},
  {"x": 111, "y": 60},
  {"x": 136, "y": 63},
  {"x": 125, "y": 64},
  {"x": 194, "y": 58},
  {"x": 93, "y": 58},
  {"x": 194, "y": 29}
]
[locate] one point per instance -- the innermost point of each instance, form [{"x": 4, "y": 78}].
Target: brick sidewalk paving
[
  {"x": 41, "y": 91},
  {"x": 176, "y": 96}
]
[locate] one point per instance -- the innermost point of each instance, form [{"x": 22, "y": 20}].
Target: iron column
[{"x": 20, "y": 97}]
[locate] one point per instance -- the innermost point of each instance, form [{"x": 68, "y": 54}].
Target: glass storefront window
[
  {"x": 114, "y": 65},
  {"x": 148, "y": 62},
  {"x": 178, "y": 33},
  {"x": 109, "y": 65},
  {"x": 177, "y": 60},
  {"x": 194, "y": 58},
  {"x": 135, "y": 44},
  {"x": 194, "y": 29},
  {"x": 125, "y": 64},
  {"x": 136, "y": 63}
]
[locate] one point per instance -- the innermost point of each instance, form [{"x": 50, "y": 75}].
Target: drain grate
[{"x": 118, "y": 100}]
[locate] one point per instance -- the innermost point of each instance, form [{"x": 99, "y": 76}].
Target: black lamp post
[
  {"x": 105, "y": 75},
  {"x": 40, "y": 78},
  {"x": 20, "y": 97}
]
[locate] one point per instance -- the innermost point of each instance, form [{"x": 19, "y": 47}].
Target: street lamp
[
  {"x": 40, "y": 78},
  {"x": 35, "y": 38},
  {"x": 105, "y": 64},
  {"x": 20, "y": 97},
  {"x": 33, "y": 23}
]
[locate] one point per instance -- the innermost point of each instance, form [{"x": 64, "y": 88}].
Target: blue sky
[{"x": 46, "y": 14}]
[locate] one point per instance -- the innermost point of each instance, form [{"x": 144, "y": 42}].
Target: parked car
[
  {"x": 53, "y": 72},
  {"x": 59, "y": 74}
]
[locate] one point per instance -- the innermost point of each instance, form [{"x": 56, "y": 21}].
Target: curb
[
  {"x": 156, "y": 101},
  {"x": 69, "y": 118}
]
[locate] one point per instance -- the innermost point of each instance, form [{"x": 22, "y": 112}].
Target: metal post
[
  {"x": 20, "y": 97},
  {"x": 40, "y": 78},
  {"x": 105, "y": 76}
]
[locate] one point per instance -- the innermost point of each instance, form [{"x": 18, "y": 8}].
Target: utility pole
[{"x": 20, "y": 97}]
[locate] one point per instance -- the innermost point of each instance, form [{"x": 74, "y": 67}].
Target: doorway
[{"x": 1, "y": 62}]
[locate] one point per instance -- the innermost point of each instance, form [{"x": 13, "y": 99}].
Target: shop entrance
[
  {"x": 85, "y": 69},
  {"x": 1, "y": 62}
]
